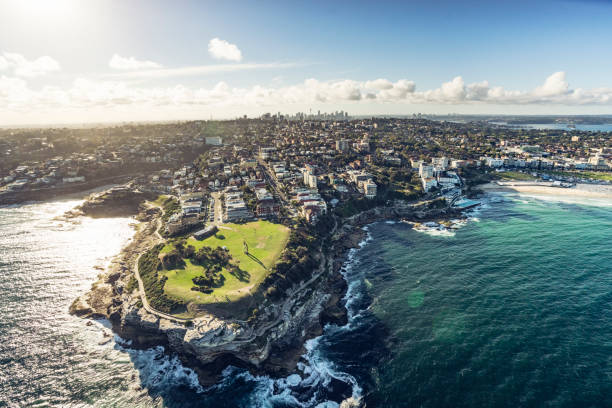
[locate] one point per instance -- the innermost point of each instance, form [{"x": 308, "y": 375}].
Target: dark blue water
[
  {"x": 562, "y": 126},
  {"x": 512, "y": 310},
  {"x": 607, "y": 127}
]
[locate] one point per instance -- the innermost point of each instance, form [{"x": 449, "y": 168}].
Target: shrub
[
  {"x": 148, "y": 265},
  {"x": 171, "y": 260},
  {"x": 132, "y": 284}
]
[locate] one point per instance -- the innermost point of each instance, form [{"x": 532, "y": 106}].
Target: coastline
[
  {"x": 590, "y": 191},
  {"x": 77, "y": 190},
  {"x": 212, "y": 343},
  {"x": 69, "y": 194}
]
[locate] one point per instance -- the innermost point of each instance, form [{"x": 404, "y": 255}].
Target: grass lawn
[
  {"x": 265, "y": 240},
  {"x": 515, "y": 175},
  {"x": 595, "y": 175},
  {"x": 159, "y": 201}
]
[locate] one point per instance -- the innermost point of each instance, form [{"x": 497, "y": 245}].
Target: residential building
[{"x": 214, "y": 140}]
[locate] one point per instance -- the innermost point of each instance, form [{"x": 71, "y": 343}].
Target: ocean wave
[
  {"x": 436, "y": 232},
  {"x": 317, "y": 372},
  {"x": 318, "y": 382},
  {"x": 595, "y": 202},
  {"x": 157, "y": 369}
]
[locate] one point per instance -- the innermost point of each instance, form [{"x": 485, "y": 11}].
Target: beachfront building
[
  {"x": 440, "y": 163},
  {"x": 598, "y": 162},
  {"x": 369, "y": 189},
  {"x": 493, "y": 162},
  {"x": 426, "y": 171},
  {"x": 429, "y": 183}
]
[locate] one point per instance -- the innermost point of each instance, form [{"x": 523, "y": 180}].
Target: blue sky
[{"x": 56, "y": 58}]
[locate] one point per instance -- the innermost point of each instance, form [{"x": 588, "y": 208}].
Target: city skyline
[{"x": 109, "y": 61}]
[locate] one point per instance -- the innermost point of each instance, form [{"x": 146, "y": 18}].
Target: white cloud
[
  {"x": 198, "y": 70},
  {"x": 118, "y": 96},
  {"x": 221, "y": 49},
  {"x": 553, "y": 86},
  {"x": 130, "y": 63},
  {"x": 449, "y": 92},
  {"x": 399, "y": 90},
  {"x": 379, "y": 84},
  {"x": 23, "y": 67},
  {"x": 13, "y": 91}
]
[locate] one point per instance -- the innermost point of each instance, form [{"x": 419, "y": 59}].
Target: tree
[
  {"x": 189, "y": 252},
  {"x": 171, "y": 260}
]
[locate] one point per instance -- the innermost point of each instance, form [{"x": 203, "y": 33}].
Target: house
[
  {"x": 214, "y": 140},
  {"x": 369, "y": 188},
  {"x": 205, "y": 233},
  {"x": 426, "y": 171},
  {"x": 429, "y": 183},
  {"x": 266, "y": 206},
  {"x": 267, "y": 153},
  {"x": 342, "y": 145},
  {"x": 440, "y": 163},
  {"x": 235, "y": 207}
]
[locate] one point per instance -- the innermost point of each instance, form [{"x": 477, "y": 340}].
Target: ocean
[
  {"x": 511, "y": 310},
  {"x": 606, "y": 127}
]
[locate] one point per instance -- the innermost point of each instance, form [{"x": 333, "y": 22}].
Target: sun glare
[{"x": 51, "y": 10}]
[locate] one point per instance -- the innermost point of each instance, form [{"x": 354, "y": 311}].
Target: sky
[{"x": 81, "y": 61}]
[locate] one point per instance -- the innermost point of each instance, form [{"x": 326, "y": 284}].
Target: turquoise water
[
  {"x": 511, "y": 310},
  {"x": 514, "y": 310}
]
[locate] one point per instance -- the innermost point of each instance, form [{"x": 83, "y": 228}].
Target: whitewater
[{"x": 511, "y": 309}]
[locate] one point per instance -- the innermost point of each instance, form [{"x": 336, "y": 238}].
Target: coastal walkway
[
  {"x": 145, "y": 302},
  {"x": 141, "y": 289},
  {"x": 284, "y": 312}
]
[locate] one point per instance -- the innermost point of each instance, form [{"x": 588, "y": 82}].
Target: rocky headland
[
  {"x": 273, "y": 342},
  {"x": 118, "y": 201}
]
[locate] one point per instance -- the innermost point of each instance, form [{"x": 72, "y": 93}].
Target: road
[
  {"x": 145, "y": 302},
  {"x": 279, "y": 194},
  {"x": 217, "y": 209}
]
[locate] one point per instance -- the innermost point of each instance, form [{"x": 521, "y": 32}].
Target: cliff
[
  {"x": 272, "y": 343},
  {"x": 121, "y": 201}
]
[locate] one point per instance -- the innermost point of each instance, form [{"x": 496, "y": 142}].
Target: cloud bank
[
  {"x": 22, "y": 67},
  {"x": 197, "y": 70},
  {"x": 119, "y": 94}
]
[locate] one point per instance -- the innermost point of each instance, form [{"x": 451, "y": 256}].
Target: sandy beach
[{"x": 596, "y": 191}]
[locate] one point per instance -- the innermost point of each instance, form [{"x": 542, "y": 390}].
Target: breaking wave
[{"x": 320, "y": 382}]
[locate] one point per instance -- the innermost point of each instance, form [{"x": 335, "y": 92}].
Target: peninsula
[{"x": 237, "y": 257}]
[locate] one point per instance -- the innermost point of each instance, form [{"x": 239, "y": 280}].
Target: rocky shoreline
[
  {"x": 273, "y": 343},
  {"x": 50, "y": 193},
  {"x": 117, "y": 201}
]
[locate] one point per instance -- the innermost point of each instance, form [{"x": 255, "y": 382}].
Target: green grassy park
[
  {"x": 593, "y": 175},
  {"x": 518, "y": 176},
  {"x": 515, "y": 176},
  {"x": 265, "y": 242}
]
